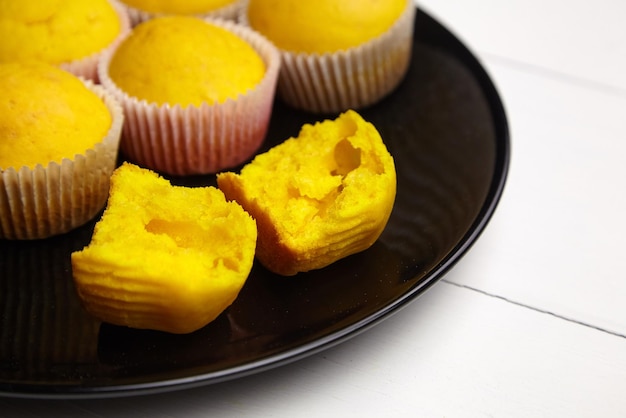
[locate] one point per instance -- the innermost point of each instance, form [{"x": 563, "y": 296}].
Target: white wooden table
[{"x": 532, "y": 322}]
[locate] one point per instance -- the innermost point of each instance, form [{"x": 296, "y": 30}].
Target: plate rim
[{"x": 475, "y": 230}]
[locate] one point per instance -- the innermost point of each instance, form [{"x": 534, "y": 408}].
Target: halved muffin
[
  {"x": 164, "y": 257},
  {"x": 319, "y": 197}
]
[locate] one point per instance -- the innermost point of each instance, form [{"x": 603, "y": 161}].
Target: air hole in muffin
[
  {"x": 347, "y": 158},
  {"x": 184, "y": 234}
]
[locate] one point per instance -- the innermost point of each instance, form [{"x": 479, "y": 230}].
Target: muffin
[
  {"x": 319, "y": 197},
  {"x": 59, "y": 138},
  {"x": 163, "y": 257},
  {"x": 142, "y": 10},
  {"x": 336, "y": 55},
  {"x": 197, "y": 94},
  {"x": 72, "y": 34}
]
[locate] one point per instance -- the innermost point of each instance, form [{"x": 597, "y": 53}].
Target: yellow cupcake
[
  {"x": 197, "y": 93},
  {"x": 185, "y": 61},
  {"x": 319, "y": 197},
  {"x": 142, "y": 10},
  {"x": 337, "y": 54},
  {"x": 164, "y": 257},
  {"x": 69, "y": 33},
  {"x": 58, "y": 146}
]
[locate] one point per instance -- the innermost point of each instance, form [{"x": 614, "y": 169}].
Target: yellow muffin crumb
[
  {"x": 164, "y": 257},
  {"x": 318, "y": 26},
  {"x": 319, "y": 197},
  {"x": 185, "y": 60},
  {"x": 56, "y": 31},
  {"x": 187, "y": 7},
  {"x": 43, "y": 115}
]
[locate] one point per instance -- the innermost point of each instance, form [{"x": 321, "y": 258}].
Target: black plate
[{"x": 446, "y": 128}]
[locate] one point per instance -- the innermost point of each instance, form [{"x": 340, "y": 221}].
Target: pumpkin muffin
[
  {"x": 59, "y": 138},
  {"x": 71, "y": 33},
  {"x": 318, "y": 197},
  {"x": 164, "y": 257},
  {"x": 197, "y": 94},
  {"x": 142, "y": 10},
  {"x": 336, "y": 54}
]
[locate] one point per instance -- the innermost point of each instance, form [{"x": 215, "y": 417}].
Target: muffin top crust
[
  {"x": 46, "y": 114},
  {"x": 187, "y": 7},
  {"x": 56, "y": 31},
  {"x": 186, "y": 61},
  {"x": 319, "y": 26}
]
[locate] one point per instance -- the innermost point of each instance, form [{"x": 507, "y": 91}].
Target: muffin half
[
  {"x": 164, "y": 257},
  {"x": 318, "y": 197}
]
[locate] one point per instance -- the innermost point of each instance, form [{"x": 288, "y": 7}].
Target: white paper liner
[
  {"x": 349, "y": 79},
  {"x": 199, "y": 139},
  {"x": 87, "y": 67},
  {"x": 43, "y": 201},
  {"x": 228, "y": 12}
]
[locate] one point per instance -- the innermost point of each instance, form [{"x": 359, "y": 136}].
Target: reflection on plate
[{"x": 445, "y": 127}]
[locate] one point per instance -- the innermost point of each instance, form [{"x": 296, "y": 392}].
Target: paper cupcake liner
[
  {"x": 199, "y": 139},
  {"x": 349, "y": 79},
  {"x": 228, "y": 12},
  {"x": 43, "y": 201},
  {"x": 87, "y": 67}
]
